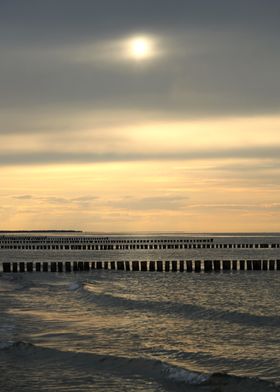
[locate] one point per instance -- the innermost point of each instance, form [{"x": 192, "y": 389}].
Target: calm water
[{"x": 139, "y": 331}]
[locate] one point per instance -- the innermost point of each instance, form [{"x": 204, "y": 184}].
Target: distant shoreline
[{"x": 41, "y": 231}]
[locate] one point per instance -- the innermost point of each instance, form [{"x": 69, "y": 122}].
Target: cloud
[
  {"x": 48, "y": 157},
  {"x": 221, "y": 58},
  {"x": 23, "y": 197},
  {"x": 168, "y": 202}
]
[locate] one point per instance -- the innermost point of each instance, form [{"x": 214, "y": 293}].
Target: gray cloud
[
  {"x": 49, "y": 157},
  {"x": 222, "y": 57}
]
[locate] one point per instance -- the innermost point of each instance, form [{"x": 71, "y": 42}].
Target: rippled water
[{"x": 139, "y": 331}]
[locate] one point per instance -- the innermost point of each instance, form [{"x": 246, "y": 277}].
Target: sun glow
[{"x": 140, "y": 48}]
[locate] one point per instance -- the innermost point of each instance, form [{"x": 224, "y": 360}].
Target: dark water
[{"x": 139, "y": 331}]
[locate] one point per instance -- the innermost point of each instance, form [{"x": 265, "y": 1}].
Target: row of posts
[{"x": 174, "y": 266}]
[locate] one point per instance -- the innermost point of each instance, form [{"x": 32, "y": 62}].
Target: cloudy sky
[{"x": 151, "y": 115}]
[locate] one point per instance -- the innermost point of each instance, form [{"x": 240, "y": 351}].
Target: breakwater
[
  {"x": 65, "y": 252},
  {"x": 159, "y": 265}
]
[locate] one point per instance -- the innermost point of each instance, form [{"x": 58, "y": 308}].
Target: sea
[{"x": 109, "y": 330}]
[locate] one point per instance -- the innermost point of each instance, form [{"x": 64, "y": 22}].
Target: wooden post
[
  {"x": 6, "y": 267},
  {"x": 45, "y": 266},
  {"x": 278, "y": 265},
  {"x": 242, "y": 265},
  {"x": 106, "y": 265},
  {"x": 271, "y": 265},
  {"x": 53, "y": 266},
  {"x": 217, "y": 265},
  {"x": 181, "y": 266},
  {"x": 226, "y": 265},
  {"x": 120, "y": 265},
  {"x": 135, "y": 266},
  {"x": 93, "y": 265},
  {"x": 38, "y": 267},
  {"x": 249, "y": 265},
  {"x": 112, "y": 265},
  {"x": 60, "y": 266},
  {"x": 127, "y": 266},
  {"x": 152, "y": 266},
  {"x": 159, "y": 266},
  {"x": 99, "y": 265},
  {"x": 80, "y": 266},
  {"x": 197, "y": 266},
  {"x": 29, "y": 266},
  {"x": 75, "y": 266},
  {"x": 143, "y": 265},
  {"x": 167, "y": 266},
  {"x": 208, "y": 266},
  {"x": 15, "y": 267},
  {"x": 234, "y": 265},
  {"x": 189, "y": 265},
  {"x": 265, "y": 265},
  {"x": 67, "y": 266},
  {"x": 174, "y": 266},
  {"x": 86, "y": 266},
  {"x": 257, "y": 265}
]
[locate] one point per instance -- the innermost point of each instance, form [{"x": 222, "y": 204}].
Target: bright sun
[{"x": 140, "y": 48}]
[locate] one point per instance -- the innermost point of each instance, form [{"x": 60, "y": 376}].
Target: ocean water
[{"x": 138, "y": 331}]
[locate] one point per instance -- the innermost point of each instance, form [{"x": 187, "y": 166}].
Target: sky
[{"x": 129, "y": 115}]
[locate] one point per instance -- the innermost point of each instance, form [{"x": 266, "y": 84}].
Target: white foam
[
  {"x": 74, "y": 286},
  {"x": 181, "y": 375}
]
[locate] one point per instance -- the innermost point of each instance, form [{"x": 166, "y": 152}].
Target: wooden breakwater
[{"x": 152, "y": 266}]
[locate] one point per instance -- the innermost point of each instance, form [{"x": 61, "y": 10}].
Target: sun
[{"x": 140, "y": 48}]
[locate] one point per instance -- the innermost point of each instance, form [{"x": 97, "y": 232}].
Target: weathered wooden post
[
  {"x": 189, "y": 265},
  {"x": 197, "y": 266},
  {"x": 174, "y": 266},
  {"x": 234, "y": 265},
  {"x": 127, "y": 266},
  {"x": 60, "y": 266},
  {"x": 75, "y": 266},
  {"x": 15, "y": 267},
  {"x": 249, "y": 265},
  {"x": 257, "y": 265},
  {"x": 45, "y": 266},
  {"x": 112, "y": 265},
  {"x": 159, "y": 266},
  {"x": 265, "y": 265},
  {"x": 271, "y": 265},
  {"x": 181, "y": 266},
  {"x": 167, "y": 266},
  {"x": 67, "y": 266},
  {"x": 80, "y": 266},
  {"x": 278, "y": 265},
  {"x": 217, "y": 265},
  {"x": 208, "y": 265},
  {"x": 86, "y": 266},
  {"x": 226, "y": 265},
  {"x": 106, "y": 265},
  {"x": 143, "y": 265},
  {"x": 242, "y": 265},
  {"x": 38, "y": 267},
  {"x": 99, "y": 265},
  {"x": 29, "y": 266},
  {"x": 152, "y": 266},
  {"x": 6, "y": 267},
  {"x": 120, "y": 265},
  {"x": 135, "y": 265},
  {"x": 93, "y": 265},
  {"x": 53, "y": 266}
]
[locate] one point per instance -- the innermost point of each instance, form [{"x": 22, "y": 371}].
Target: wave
[
  {"x": 91, "y": 292},
  {"x": 169, "y": 376}
]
